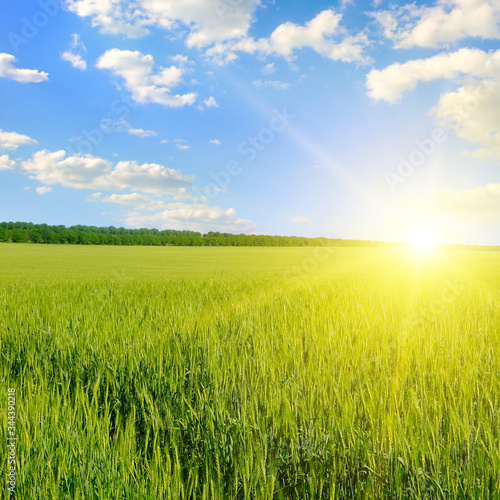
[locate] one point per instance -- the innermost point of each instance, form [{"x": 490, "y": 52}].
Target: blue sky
[{"x": 350, "y": 119}]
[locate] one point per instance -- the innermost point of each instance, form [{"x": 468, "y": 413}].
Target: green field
[{"x": 240, "y": 373}]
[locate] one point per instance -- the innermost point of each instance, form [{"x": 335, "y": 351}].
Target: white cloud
[
  {"x": 221, "y": 26},
  {"x": 9, "y": 71},
  {"x": 124, "y": 199},
  {"x": 472, "y": 111},
  {"x": 113, "y": 17},
  {"x": 206, "y": 21},
  {"x": 215, "y": 141},
  {"x": 182, "y": 147},
  {"x": 74, "y": 56},
  {"x": 79, "y": 172},
  {"x": 75, "y": 60},
  {"x": 94, "y": 197},
  {"x": 268, "y": 69},
  {"x": 193, "y": 216},
  {"x": 140, "y": 202},
  {"x": 477, "y": 204},
  {"x": 275, "y": 84},
  {"x": 76, "y": 43},
  {"x": 43, "y": 189},
  {"x": 6, "y": 163},
  {"x": 144, "y": 85},
  {"x": 197, "y": 216},
  {"x": 11, "y": 140},
  {"x": 302, "y": 220},
  {"x": 317, "y": 34},
  {"x": 393, "y": 81},
  {"x": 180, "y": 59},
  {"x": 90, "y": 172},
  {"x": 387, "y": 21},
  {"x": 139, "y": 132},
  {"x": 444, "y": 23},
  {"x": 210, "y": 102},
  {"x": 124, "y": 126},
  {"x": 149, "y": 178}
]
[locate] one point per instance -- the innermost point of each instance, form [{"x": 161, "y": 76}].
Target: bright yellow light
[{"x": 422, "y": 242}]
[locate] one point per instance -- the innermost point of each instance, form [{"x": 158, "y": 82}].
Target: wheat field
[{"x": 251, "y": 373}]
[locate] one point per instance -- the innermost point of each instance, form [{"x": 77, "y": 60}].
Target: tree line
[{"x": 27, "y": 232}]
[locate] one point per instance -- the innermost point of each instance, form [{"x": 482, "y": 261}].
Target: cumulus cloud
[
  {"x": 90, "y": 172},
  {"x": 75, "y": 60},
  {"x": 194, "y": 216},
  {"x": 215, "y": 141},
  {"x": 302, "y": 220},
  {"x": 387, "y": 20},
  {"x": 472, "y": 112},
  {"x": 113, "y": 17},
  {"x": 392, "y": 82},
  {"x": 221, "y": 27},
  {"x": 149, "y": 182},
  {"x": 146, "y": 86},
  {"x": 139, "y": 202},
  {"x": 206, "y": 21},
  {"x": 476, "y": 204},
  {"x": 210, "y": 103},
  {"x": 79, "y": 172},
  {"x": 139, "y": 132},
  {"x": 268, "y": 69},
  {"x": 442, "y": 24},
  {"x": 149, "y": 178},
  {"x": 124, "y": 126},
  {"x": 181, "y": 59},
  {"x": 125, "y": 199},
  {"x": 275, "y": 84},
  {"x": 12, "y": 140},
  {"x": 9, "y": 71},
  {"x": 6, "y": 163},
  {"x": 323, "y": 34},
  {"x": 181, "y": 144},
  {"x": 74, "y": 54}
]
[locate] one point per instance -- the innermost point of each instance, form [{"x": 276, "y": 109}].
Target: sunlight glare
[{"x": 422, "y": 242}]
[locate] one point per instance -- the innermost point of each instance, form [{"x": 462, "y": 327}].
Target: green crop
[{"x": 251, "y": 373}]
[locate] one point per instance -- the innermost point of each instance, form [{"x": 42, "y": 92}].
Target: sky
[{"x": 365, "y": 119}]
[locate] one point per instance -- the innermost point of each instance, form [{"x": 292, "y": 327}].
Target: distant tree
[
  {"x": 19, "y": 232},
  {"x": 19, "y": 236}
]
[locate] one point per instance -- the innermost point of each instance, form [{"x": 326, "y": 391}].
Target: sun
[{"x": 422, "y": 242}]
